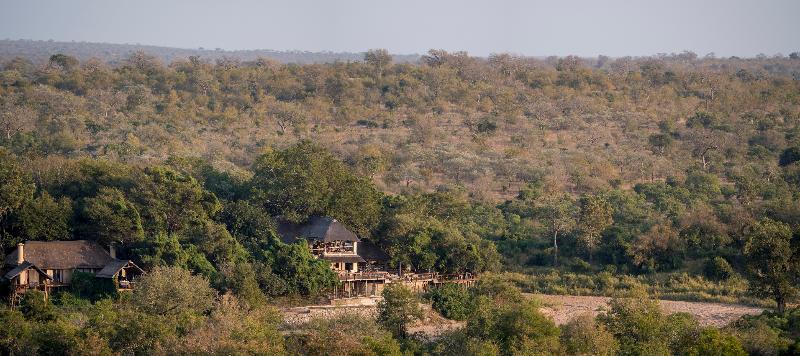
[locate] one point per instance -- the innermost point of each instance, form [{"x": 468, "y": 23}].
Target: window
[{"x": 57, "y": 275}]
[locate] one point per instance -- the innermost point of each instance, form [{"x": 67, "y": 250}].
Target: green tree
[
  {"x": 45, "y": 219},
  {"x": 718, "y": 269},
  {"x": 398, "y": 309},
  {"x": 86, "y": 285},
  {"x": 661, "y": 143},
  {"x": 703, "y": 184},
  {"x": 131, "y": 330},
  {"x": 343, "y": 335},
  {"x": 250, "y": 224},
  {"x": 595, "y": 217},
  {"x": 66, "y": 62},
  {"x": 772, "y": 262},
  {"x": 214, "y": 242},
  {"x": 638, "y": 325},
  {"x": 559, "y": 214},
  {"x": 17, "y": 187},
  {"x": 172, "y": 291},
  {"x": 789, "y": 156},
  {"x": 305, "y": 180},
  {"x": 500, "y": 316},
  {"x": 56, "y": 338},
  {"x": 451, "y": 300},
  {"x": 35, "y": 306},
  {"x": 111, "y": 218},
  {"x": 379, "y": 59},
  {"x": 170, "y": 201},
  {"x": 233, "y": 329},
  {"x": 15, "y": 333},
  {"x": 759, "y": 337},
  {"x": 525, "y": 329},
  {"x": 85, "y": 177},
  {"x": 240, "y": 278},
  {"x": 584, "y": 336},
  {"x": 303, "y": 273},
  {"x": 714, "y": 342}
]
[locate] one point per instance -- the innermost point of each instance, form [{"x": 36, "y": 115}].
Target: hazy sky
[{"x": 552, "y": 27}]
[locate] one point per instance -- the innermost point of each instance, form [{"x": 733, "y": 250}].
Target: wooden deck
[
  {"x": 371, "y": 284},
  {"x": 363, "y": 276}
]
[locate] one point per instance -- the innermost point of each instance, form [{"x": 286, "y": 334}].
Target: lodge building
[
  {"x": 45, "y": 265},
  {"x": 362, "y": 267}
]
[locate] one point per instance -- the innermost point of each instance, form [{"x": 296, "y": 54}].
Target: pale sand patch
[{"x": 563, "y": 308}]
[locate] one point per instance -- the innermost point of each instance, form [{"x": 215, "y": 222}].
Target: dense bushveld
[
  {"x": 673, "y": 172},
  {"x": 174, "y": 312}
]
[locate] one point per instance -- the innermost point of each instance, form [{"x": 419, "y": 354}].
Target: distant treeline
[{"x": 40, "y": 51}]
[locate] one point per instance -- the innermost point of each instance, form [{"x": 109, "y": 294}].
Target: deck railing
[
  {"x": 126, "y": 285},
  {"x": 359, "y": 276},
  {"x": 409, "y": 277}
]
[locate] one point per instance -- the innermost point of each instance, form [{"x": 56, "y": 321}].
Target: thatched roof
[
  {"x": 316, "y": 228},
  {"x": 63, "y": 255},
  {"x": 21, "y": 268},
  {"x": 371, "y": 252},
  {"x": 113, "y": 267}
]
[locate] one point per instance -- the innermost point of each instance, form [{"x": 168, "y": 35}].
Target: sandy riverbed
[{"x": 562, "y": 308}]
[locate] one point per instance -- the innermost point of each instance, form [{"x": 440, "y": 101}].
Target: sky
[{"x": 534, "y": 28}]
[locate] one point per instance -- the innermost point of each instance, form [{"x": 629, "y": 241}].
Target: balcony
[{"x": 363, "y": 276}]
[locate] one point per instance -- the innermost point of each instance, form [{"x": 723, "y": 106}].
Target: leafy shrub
[
  {"x": 718, "y": 269},
  {"x": 486, "y": 126},
  {"x": 714, "y": 342},
  {"x": 758, "y": 337},
  {"x": 584, "y": 336},
  {"x": 70, "y": 301},
  {"x": 580, "y": 265},
  {"x": 348, "y": 334},
  {"x": 173, "y": 291},
  {"x": 35, "y": 307},
  {"x": 86, "y": 285},
  {"x": 789, "y": 156},
  {"x": 234, "y": 329},
  {"x": 367, "y": 123},
  {"x": 638, "y": 325},
  {"x": 513, "y": 327},
  {"x": 398, "y": 308},
  {"x": 15, "y": 331},
  {"x": 673, "y": 286},
  {"x": 451, "y": 300},
  {"x": 5, "y": 288}
]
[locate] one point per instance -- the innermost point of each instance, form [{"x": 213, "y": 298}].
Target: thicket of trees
[
  {"x": 175, "y": 312},
  {"x": 664, "y": 163},
  {"x": 172, "y": 215},
  {"x": 500, "y": 321},
  {"x": 670, "y": 163}
]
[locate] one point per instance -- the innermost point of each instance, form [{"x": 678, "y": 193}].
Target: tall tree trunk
[
  {"x": 555, "y": 248},
  {"x": 781, "y": 301}
]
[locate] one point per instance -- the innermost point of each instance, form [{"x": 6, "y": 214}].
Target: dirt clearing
[{"x": 563, "y": 308}]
